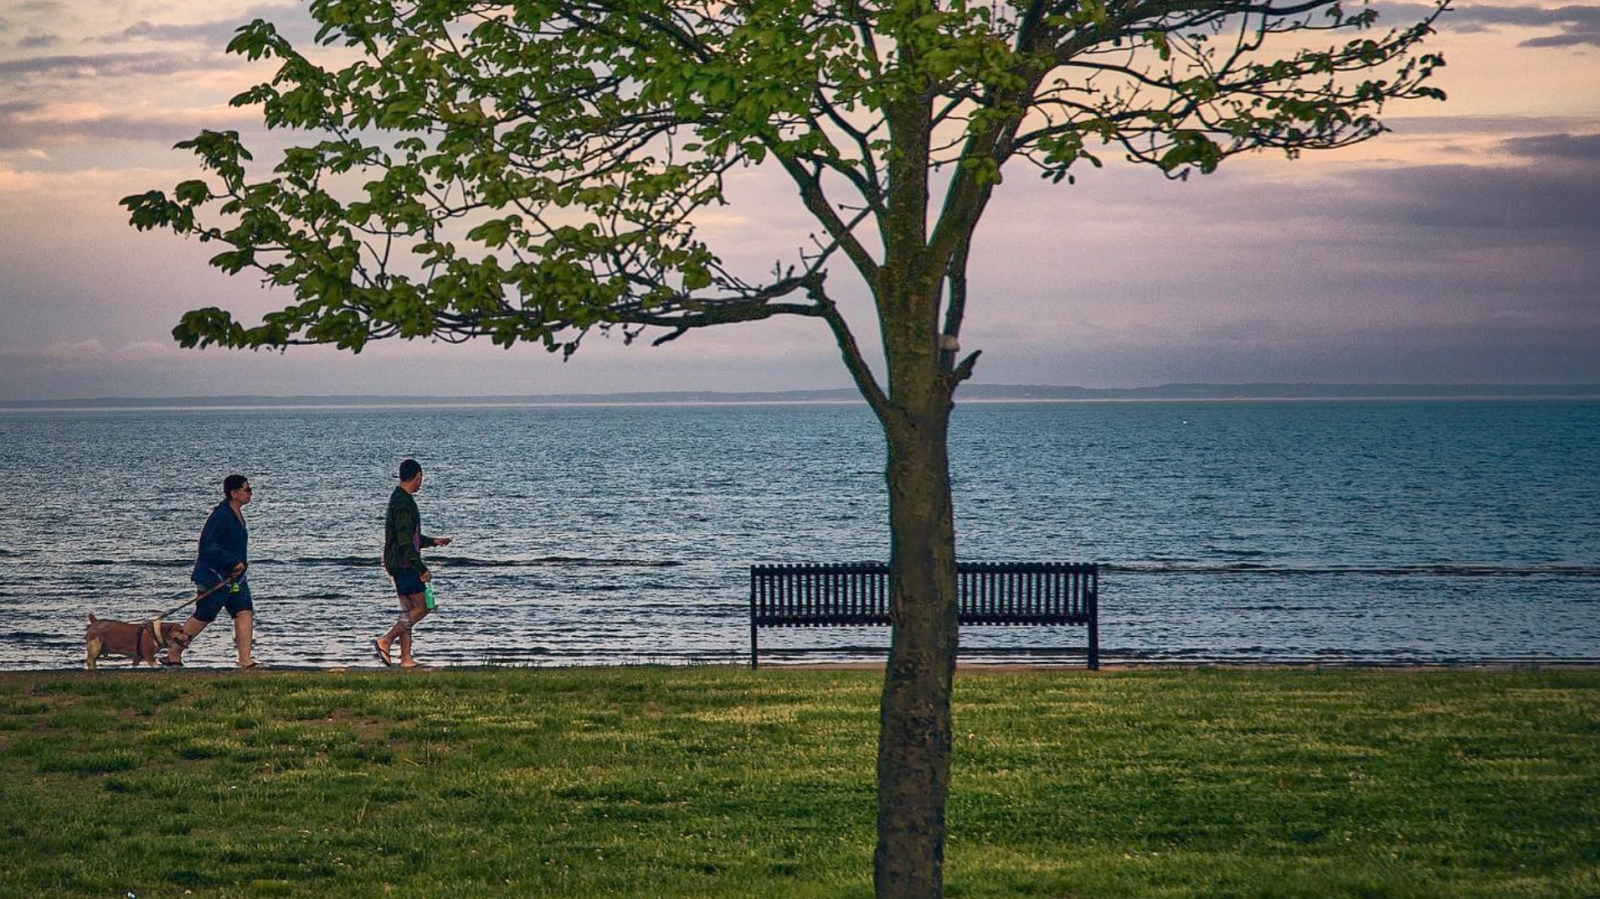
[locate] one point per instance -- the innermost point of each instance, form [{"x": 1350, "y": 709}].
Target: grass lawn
[{"x": 725, "y": 782}]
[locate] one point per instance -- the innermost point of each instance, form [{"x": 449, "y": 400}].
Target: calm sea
[{"x": 1337, "y": 532}]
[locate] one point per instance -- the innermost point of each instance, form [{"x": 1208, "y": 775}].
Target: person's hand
[
  {"x": 426, "y": 577},
  {"x": 441, "y": 541},
  {"x": 239, "y": 568}
]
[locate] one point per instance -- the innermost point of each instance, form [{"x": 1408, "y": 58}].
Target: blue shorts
[
  {"x": 407, "y": 581},
  {"x": 235, "y": 598}
]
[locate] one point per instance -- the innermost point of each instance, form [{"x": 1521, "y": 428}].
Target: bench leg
[{"x": 1094, "y": 643}]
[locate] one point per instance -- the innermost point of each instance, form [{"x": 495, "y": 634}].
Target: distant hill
[{"x": 982, "y": 392}]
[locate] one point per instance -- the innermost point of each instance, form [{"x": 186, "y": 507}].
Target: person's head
[
  {"x": 410, "y": 475},
  {"x": 236, "y": 489}
]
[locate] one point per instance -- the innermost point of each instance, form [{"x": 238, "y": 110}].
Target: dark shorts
[
  {"x": 234, "y": 597},
  {"x": 407, "y": 581}
]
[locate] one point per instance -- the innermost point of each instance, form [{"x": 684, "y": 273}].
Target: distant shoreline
[{"x": 972, "y": 393}]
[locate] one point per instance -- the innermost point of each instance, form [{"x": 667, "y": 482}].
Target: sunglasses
[{"x": 246, "y": 488}]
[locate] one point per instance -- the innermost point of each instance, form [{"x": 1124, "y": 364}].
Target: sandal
[
  {"x": 170, "y": 663},
  {"x": 253, "y": 665},
  {"x": 383, "y": 654}
]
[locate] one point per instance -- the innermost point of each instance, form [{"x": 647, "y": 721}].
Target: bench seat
[{"x": 856, "y": 594}]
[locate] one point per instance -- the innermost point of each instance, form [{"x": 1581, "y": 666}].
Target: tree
[{"x": 531, "y": 171}]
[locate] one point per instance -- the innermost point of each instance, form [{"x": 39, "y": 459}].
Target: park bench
[{"x": 988, "y": 593}]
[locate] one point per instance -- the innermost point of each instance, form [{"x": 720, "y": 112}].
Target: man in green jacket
[{"x": 403, "y": 541}]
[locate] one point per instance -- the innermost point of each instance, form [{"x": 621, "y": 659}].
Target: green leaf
[{"x": 494, "y": 233}]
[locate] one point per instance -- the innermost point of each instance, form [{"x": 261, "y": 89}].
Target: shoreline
[{"x": 853, "y": 666}]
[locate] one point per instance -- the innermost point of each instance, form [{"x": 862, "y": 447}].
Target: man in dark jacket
[
  {"x": 218, "y": 574},
  {"x": 403, "y": 542}
]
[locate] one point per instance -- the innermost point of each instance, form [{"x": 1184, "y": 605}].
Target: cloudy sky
[{"x": 1463, "y": 248}]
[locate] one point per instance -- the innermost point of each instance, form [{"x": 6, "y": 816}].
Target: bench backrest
[{"x": 987, "y": 593}]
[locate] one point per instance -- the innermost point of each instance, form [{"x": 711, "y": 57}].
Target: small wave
[
  {"x": 136, "y": 563},
  {"x": 22, "y": 636},
  {"x": 330, "y": 561},
  {"x": 1335, "y": 658},
  {"x": 376, "y": 562},
  {"x": 555, "y": 562},
  {"x": 1440, "y": 570}
]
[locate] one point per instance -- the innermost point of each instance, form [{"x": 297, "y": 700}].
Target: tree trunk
[{"x": 914, "y": 725}]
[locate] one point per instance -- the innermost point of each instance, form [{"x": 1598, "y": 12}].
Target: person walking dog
[
  {"x": 219, "y": 573},
  {"x": 403, "y": 542}
]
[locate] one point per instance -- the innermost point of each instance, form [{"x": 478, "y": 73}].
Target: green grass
[{"x": 724, "y": 782}]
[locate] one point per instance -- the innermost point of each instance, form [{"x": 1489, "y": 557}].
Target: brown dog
[{"x": 139, "y": 641}]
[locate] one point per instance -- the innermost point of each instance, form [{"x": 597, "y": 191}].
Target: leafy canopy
[{"x": 531, "y": 171}]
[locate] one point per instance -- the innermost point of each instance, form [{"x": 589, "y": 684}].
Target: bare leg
[
  {"x": 406, "y": 661},
  {"x": 243, "y": 633},
  {"x": 413, "y": 610},
  {"x": 418, "y": 611},
  {"x": 192, "y": 627},
  {"x": 401, "y": 626},
  {"x": 401, "y": 629}
]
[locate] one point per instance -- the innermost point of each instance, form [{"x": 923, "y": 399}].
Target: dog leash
[{"x": 196, "y": 598}]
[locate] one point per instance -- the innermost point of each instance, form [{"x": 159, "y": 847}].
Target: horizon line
[{"x": 1250, "y": 390}]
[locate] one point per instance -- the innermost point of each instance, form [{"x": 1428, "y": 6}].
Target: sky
[{"x": 1463, "y": 248}]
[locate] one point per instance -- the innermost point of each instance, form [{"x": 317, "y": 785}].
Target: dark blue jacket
[{"x": 224, "y": 543}]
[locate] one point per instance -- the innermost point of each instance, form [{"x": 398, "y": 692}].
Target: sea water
[{"x": 1311, "y": 531}]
